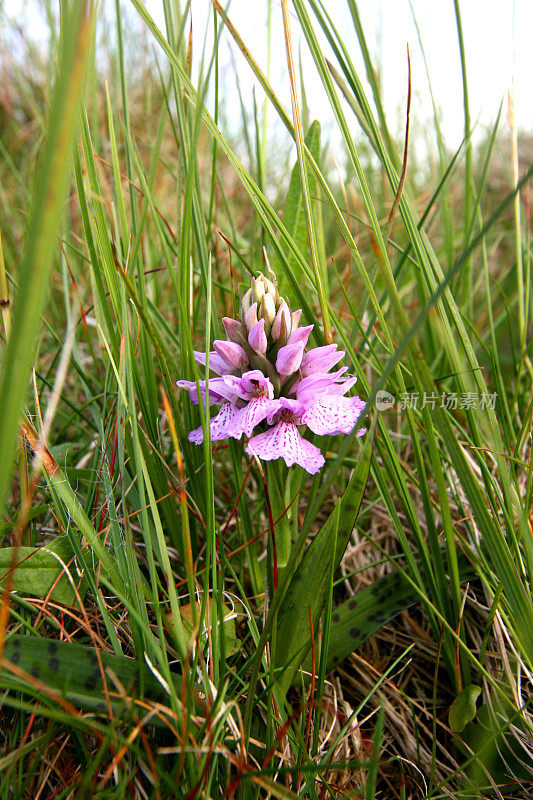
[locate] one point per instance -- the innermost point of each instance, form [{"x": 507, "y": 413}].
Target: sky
[{"x": 497, "y": 36}]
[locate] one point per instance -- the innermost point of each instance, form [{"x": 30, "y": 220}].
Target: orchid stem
[{"x": 276, "y": 481}]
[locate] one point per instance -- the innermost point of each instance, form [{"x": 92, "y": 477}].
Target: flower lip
[{"x": 285, "y": 441}]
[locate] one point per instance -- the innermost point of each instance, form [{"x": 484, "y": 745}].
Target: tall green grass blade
[{"x": 49, "y": 195}]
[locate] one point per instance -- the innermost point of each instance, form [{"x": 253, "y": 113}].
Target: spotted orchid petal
[
  {"x": 284, "y": 441},
  {"x": 319, "y": 383},
  {"x": 216, "y": 363},
  {"x": 220, "y": 425},
  {"x": 254, "y": 382},
  {"x": 254, "y": 412},
  {"x": 288, "y": 404},
  {"x": 333, "y": 414},
  {"x": 214, "y": 395}
]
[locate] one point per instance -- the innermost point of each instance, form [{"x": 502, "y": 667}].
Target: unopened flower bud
[
  {"x": 289, "y": 358},
  {"x": 282, "y": 323},
  {"x": 258, "y": 288},
  {"x": 300, "y": 335},
  {"x": 232, "y": 328},
  {"x": 250, "y": 318},
  {"x": 295, "y": 316},
  {"x": 257, "y": 337},
  {"x": 271, "y": 288},
  {"x": 232, "y": 353},
  {"x": 267, "y": 311},
  {"x": 246, "y": 302}
]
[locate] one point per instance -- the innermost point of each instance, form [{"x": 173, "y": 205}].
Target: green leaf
[
  {"x": 73, "y": 671},
  {"x": 37, "y": 570},
  {"x": 231, "y": 642},
  {"x": 294, "y": 214},
  {"x": 355, "y": 620},
  {"x": 463, "y": 708},
  {"x": 308, "y": 587}
]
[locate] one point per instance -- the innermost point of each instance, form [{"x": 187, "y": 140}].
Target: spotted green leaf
[
  {"x": 358, "y": 618},
  {"x": 73, "y": 671}
]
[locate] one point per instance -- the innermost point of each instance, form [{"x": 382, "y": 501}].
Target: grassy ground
[{"x": 152, "y": 643}]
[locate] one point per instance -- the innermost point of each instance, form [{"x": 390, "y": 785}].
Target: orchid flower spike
[{"x": 270, "y": 385}]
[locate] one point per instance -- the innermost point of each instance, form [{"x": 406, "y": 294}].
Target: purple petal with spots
[
  {"x": 220, "y": 425},
  {"x": 321, "y": 359},
  {"x": 232, "y": 353},
  {"x": 319, "y": 384},
  {"x": 254, "y": 412},
  {"x": 216, "y": 364},
  {"x": 257, "y": 337},
  {"x": 289, "y": 358},
  {"x": 284, "y": 441},
  {"x": 333, "y": 414},
  {"x": 294, "y": 406},
  {"x": 230, "y": 388}
]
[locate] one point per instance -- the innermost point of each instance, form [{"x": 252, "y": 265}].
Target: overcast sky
[{"x": 497, "y": 37}]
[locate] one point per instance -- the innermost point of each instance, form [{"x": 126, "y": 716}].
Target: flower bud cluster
[{"x": 263, "y": 301}]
